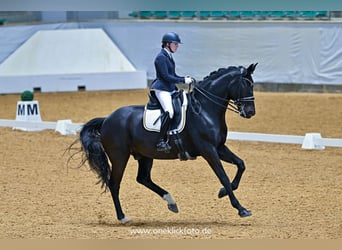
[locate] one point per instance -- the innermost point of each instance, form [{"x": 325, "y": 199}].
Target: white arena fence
[{"x": 67, "y": 127}]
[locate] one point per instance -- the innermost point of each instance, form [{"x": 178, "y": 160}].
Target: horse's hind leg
[
  {"x": 119, "y": 161},
  {"x": 144, "y": 178}
]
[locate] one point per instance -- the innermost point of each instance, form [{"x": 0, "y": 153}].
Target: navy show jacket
[{"x": 166, "y": 73}]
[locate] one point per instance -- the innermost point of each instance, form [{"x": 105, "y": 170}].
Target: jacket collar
[{"x": 167, "y": 53}]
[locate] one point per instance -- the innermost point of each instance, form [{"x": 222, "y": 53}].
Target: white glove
[{"x": 188, "y": 80}]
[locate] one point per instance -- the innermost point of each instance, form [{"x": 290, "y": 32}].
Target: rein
[{"x": 231, "y": 105}]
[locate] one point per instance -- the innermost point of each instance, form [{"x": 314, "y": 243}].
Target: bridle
[{"x": 232, "y": 105}]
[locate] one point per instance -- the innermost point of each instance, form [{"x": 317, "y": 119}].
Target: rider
[{"x": 165, "y": 83}]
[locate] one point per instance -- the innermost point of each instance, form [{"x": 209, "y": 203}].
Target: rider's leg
[
  {"x": 163, "y": 144},
  {"x": 165, "y": 100}
]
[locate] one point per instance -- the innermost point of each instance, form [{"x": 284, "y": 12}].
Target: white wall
[{"x": 287, "y": 52}]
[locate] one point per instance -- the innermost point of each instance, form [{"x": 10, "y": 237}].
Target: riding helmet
[{"x": 171, "y": 37}]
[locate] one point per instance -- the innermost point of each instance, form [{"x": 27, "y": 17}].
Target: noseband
[{"x": 232, "y": 105}]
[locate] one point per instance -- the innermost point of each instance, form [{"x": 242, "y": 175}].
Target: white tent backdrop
[
  {"x": 65, "y": 60},
  {"x": 70, "y": 51},
  {"x": 287, "y": 52}
]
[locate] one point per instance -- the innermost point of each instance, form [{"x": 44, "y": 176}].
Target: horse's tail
[{"x": 93, "y": 150}]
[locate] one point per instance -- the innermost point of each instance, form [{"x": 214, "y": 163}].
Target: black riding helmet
[{"x": 171, "y": 37}]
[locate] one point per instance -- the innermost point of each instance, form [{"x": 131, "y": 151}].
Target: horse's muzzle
[{"x": 247, "y": 113}]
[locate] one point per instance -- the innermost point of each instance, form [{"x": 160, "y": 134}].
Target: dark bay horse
[{"x": 122, "y": 134}]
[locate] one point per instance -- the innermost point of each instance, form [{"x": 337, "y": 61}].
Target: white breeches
[{"x": 165, "y": 100}]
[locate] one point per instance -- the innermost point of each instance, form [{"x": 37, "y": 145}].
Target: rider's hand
[{"x": 188, "y": 79}]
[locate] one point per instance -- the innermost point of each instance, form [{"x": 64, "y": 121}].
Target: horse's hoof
[
  {"x": 173, "y": 207},
  {"x": 222, "y": 192},
  {"x": 125, "y": 221},
  {"x": 245, "y": 213}
]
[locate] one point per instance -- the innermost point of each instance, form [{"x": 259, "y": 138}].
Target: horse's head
[
  {"x": 242, "y": 91},
  {"x": 232, "y": 84}
]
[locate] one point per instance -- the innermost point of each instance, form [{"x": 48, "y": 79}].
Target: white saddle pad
[{"x": 151, "y": 116}]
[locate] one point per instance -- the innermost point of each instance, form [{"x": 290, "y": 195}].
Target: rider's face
[{"x": 173, "y": 47}]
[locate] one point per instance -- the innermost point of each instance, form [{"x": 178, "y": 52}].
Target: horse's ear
[{"x": 251, "y": 68}]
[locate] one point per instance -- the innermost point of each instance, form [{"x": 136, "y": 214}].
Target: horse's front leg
[
  {"x": 228, "y": 156},
  {"x": 213, "y": 159}
]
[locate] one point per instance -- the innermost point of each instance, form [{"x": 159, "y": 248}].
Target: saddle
[{"x": 153, "y": 112}]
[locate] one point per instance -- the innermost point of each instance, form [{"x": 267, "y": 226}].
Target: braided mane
[{"x": 216, "y": 74}]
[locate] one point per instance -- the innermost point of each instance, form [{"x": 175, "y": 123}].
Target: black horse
[{"x": 122, "y": 134}]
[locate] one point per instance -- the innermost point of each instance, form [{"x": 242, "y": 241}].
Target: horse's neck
[
  {"x": 212, "y": 114},
  {"x": 217, "y": 89},
  {"x": 215, "y": 106},
  {"x": 211, "y": 102}
]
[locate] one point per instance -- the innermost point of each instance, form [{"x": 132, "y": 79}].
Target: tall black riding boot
[{"x": 163, "y": 144}]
